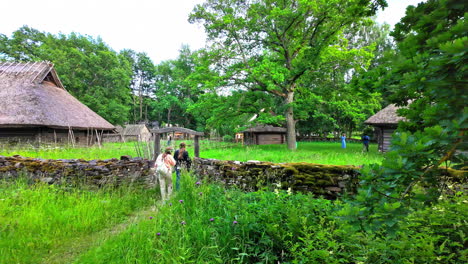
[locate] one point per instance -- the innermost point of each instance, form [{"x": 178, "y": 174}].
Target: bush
[
  {"x": 205, "y": 223},
  {"x": 228, "y": 138}
]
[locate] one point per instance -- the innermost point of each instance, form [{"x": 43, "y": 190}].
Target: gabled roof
[
  {"x": 386, "y": 116},
  {"x": 31, "y": 94},
  {"x": 132, "y": 130}
]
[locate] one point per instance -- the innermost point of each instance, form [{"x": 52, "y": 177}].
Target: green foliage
[
  {"x": 271, "y": 46},
  {"x": 228, "y": 138},
  {"x": 431, "y": 76}
]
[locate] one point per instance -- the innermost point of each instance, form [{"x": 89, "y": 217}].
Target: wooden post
[
  {"x": 197, "y": 147},
  {"x": 156, "y": 145}
]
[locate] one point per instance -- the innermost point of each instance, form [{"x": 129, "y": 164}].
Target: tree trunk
[
  {"x": 141, "y": 105},
  {"x": 169, "y": 115},
  {"x": 290, "y": 123},
  {"x": 134, "y": 108}
]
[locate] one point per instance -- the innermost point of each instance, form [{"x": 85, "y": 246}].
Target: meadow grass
[
  {"x": 207, "y": 223},
  {"x": 38, "y": 219},
  {"x": 312, "y": 152}
]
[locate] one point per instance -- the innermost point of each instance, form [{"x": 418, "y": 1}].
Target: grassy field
[
  {"x": 313, "y": 152},
  {"x": 206, "y": 223}
]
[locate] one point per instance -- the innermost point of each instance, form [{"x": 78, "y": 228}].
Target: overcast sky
[{"x": 157, "y": 27}]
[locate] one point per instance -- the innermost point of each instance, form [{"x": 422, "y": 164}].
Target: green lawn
[{"x": 313, "y": 152}]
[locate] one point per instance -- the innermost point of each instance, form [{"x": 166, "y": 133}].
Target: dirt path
[{"x": 70, "y": 250}]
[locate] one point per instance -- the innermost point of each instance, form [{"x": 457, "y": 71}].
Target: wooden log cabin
[
  {"x": 263, "y": 135},
  {"x": 35, "y": 107},
  {"x": 385, "y": 122}
]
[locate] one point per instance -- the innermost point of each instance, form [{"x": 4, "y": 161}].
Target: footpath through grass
[{"x": 39, "y": 221}]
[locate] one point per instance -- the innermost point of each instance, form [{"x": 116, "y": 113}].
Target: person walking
[
  {"x": 183, "y": 161},
  {"x": 163, "y": 165},
  {"x": 365, "y": 141},
  {"x": 343, "y": 140}
]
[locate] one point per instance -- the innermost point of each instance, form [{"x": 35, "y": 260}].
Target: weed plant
[
  {"x": 36, "y": 220},
  {"x": 206, "y": 223}
]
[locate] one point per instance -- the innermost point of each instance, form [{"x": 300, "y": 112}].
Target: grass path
[{"x": 69, "y": 251}]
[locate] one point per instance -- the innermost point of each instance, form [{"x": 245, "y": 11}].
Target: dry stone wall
[
  {"x": 98, "y": 172},
  {"x": 329, "y": 181},
  {"x": 326, "y": 180}
]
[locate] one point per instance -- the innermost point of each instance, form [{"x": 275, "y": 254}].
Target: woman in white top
[{"x": 163, "y": 165}]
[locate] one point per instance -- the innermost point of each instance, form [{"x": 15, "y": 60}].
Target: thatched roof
[
  {"x": 132, "y": 130},
  {"x": 269, "y": 129},
  {"x": 386, "y": 116},
  {"x": 31, "y": 94}
]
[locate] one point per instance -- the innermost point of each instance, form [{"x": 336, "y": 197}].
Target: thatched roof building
[
  {"x": 385, "y": 117},
  {"x": 262, "y": 135},
  {"x": 34, "y": 103},
  {"x": 385, "y": 121}
]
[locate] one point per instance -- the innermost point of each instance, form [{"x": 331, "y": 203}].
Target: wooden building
[
  {"x": 34, "y": 106},
  {"x": 385, "y": 122},
  {"x": 138, "y": 132},
  {"x": 262, "y": 135}
]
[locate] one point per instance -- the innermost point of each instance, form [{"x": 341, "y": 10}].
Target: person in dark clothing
[
  {"x": 365, "y": 141},
  {"x": 183, "y": 161}
]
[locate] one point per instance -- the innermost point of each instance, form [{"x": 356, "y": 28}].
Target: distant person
[
  {"x": 343, "y": 140},
  {"x": 365, "y": 141},
  {"x": 163, "y": 167},
  {"x": 183, "y": 161},
  {"x": 169, "y": 139}
]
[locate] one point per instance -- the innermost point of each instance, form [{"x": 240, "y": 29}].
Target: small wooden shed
[
  {"x": 385, "y": 121},
  {"x": 34, "y": 106},
  {"x": 138, "y": 132},
  {"x": 264, "y": 134}
]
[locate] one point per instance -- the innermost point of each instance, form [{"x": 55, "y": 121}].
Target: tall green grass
[
  {"x": 205, "y": 223},
  {"x": 36, "y": 220},
  {"x": 107, "y": 151}
]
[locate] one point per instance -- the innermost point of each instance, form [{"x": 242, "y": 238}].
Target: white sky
[{"x": 157, "y": 27}]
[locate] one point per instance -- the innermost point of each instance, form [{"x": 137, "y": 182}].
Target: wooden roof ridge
[{"x": 35, "y": 72}]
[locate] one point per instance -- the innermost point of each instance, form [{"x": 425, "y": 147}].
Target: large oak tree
[{"x": 270, "y": 45}]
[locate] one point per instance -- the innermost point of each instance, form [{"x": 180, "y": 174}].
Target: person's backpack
[{"x": 161, "y": 166}]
